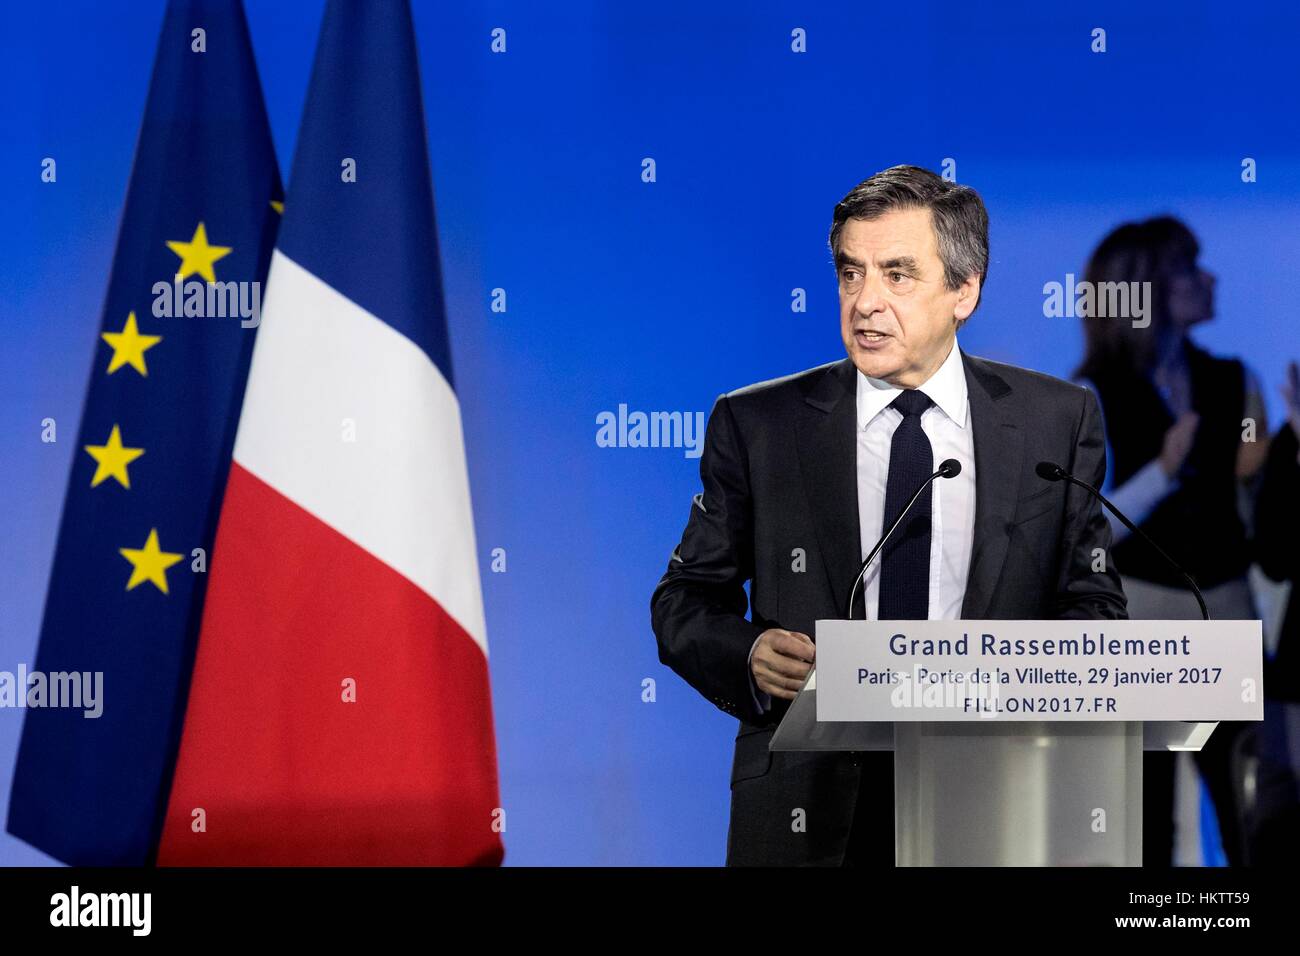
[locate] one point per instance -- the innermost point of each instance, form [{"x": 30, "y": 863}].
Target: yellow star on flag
[
  {"x": 149, "y": 563},
  {"x": 197, "y": 256},
  {"x": 112, "y": 458},
  {"x": 129, "y": 346}
]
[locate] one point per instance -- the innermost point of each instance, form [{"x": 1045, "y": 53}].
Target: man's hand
[{"x": 781, "y": 662}]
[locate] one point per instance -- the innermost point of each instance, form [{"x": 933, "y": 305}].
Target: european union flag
[{"x": 126, "y": 592}]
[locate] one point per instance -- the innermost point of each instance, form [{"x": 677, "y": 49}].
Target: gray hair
[{"x": 961, "y": 223}]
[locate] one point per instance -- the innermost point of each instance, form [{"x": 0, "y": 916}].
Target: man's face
[{"x": 897, "y": 319}]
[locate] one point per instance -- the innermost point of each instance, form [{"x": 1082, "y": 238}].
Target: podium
[{"x": 1049, "y": 772}]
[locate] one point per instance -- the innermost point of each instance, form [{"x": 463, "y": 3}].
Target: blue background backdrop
[{"x": 656, "y": 295}]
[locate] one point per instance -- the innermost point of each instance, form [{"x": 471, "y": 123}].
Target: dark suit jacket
[{"x": 779, "y": 469}]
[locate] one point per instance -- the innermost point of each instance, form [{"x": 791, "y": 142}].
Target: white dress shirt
[{"x": 947, "y": 424}]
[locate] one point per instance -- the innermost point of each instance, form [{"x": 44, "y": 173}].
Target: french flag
[{"x": 339, "y": 711}]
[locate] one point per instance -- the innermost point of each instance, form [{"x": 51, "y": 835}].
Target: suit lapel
[
  {"x": 999, "y": 450},
  {"x": 827, "y": 450}
]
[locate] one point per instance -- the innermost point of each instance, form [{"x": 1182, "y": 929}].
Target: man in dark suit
[{"x": 802, "y": 474}]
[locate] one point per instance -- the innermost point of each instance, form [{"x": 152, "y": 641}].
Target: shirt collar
[{"x": 946, "y": 388}]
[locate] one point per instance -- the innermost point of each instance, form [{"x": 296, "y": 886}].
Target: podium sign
[
  {"x": 1039, "y": 670},
  {"x": 1020, "y": 742}
]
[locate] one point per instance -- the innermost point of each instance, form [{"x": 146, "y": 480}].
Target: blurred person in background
[
  {"x": 1271, "y": 821},
  {"x": 1181, "y": 465}
]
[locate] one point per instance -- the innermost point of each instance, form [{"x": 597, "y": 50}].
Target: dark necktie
[{"x": 905, "y": 560}]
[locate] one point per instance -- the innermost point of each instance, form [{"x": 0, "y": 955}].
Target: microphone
[
  {"x": 1050, "y": 471},
  {"x": 950, "y": 468}
]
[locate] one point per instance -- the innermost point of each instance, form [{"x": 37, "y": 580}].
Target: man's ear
[{"x": 968, "y": 296}]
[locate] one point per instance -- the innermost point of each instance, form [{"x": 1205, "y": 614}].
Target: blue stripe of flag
[{"x": 373, "y": 240}]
